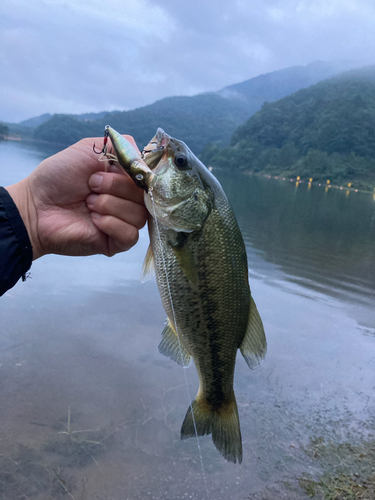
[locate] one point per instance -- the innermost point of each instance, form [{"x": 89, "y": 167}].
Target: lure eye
[{"x": 181, "y": 161}]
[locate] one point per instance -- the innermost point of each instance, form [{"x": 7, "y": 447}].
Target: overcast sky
[{"x": 76, "y": 56}]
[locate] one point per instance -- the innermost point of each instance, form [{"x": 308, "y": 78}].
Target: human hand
[{"x": 66, "y": 211}]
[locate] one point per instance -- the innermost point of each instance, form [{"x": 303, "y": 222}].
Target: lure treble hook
[
  {"x": 146, "y": 151},
  {"x": 103, "y": 151}
]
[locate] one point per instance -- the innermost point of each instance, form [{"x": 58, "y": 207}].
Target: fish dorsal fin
[
  {"x": 148, "y": 267},
  {"x": 171, "y": 347},
  {"x": 254, "y": 344}
]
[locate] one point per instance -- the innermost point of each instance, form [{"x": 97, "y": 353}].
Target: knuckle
[{"x": 132, "y": 236}]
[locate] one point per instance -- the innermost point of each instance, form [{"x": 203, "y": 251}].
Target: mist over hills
[
  {"x": 325, "y": 131},
  {"x": 273, "y": 86},
  {"x": 197, "y": 120}
]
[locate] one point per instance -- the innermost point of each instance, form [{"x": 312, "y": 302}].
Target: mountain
[
  {"x": 197, "y": 120},
  {"x": 34, "y": 122},
  {"x": 326, "y": 131},
  {"x": 213, "y": 117},
  {"x": 273, "y": 86},
  {"x": 90, "y": 117},
  {"x": 39, "y": 120}
]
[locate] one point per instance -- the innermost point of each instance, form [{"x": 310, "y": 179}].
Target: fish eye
[{"x": 181, "y": 161}]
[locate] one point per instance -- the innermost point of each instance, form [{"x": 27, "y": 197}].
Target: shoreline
[
  {"x": 327, "y": 184},
  {"x": 300, "y": 181}
]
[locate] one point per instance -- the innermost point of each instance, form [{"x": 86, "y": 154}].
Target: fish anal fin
[
  {"x": 254, "y": 344},
  {"x": 148, "y": 267},
  {"x": 171, "y": 347},
  {"x": 223, "y": 423}
]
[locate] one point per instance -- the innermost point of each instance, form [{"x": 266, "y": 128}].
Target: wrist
[{"x": 24, "y": 202}]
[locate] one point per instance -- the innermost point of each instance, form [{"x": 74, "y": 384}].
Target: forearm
[{"x": 15, "y": 246}]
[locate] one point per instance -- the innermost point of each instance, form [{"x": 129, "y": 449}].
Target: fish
[{"x": 199, "y": 257}]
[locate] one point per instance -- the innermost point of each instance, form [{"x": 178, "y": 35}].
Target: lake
[{"x": 91, "y": 410}]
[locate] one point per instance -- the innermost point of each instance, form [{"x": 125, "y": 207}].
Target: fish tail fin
[{"x": 223, "y": 423}]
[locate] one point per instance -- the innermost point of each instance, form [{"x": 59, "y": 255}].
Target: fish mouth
[
  {"x": 155, "y": 149},
  {"x": 162, "y": 138}
]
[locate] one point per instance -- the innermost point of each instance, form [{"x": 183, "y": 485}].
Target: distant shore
[{"x": 11, "y": 138}]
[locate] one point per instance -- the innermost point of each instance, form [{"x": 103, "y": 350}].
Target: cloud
[{"x": 72, "y": 57}]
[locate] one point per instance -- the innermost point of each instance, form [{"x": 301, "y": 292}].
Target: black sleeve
[{"x": 16, "y": 253}]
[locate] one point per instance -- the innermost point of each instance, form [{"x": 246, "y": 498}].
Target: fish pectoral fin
[
  {"x": 186, "y": 261},
  {"x": 171, "y": 347},
  {"x": 148, "y": 267},
  {"x": 254, "y": 344}
]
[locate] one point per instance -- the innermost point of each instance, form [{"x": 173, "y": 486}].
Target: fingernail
[
  {"x": 91, "y": 199},
  {"x": 95, "y": 215},
  {"x": 95, "y": 181}
]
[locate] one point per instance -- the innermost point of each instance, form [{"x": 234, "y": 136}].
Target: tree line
[{"x": 326, "y": 131}]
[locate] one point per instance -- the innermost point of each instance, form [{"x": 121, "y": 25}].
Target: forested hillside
[
  {"x": 210, "y": 117},
  {"x": 326, "y": 131},
  {"x": 4, "y": 130},
  {"x": 198, "y": 120}
]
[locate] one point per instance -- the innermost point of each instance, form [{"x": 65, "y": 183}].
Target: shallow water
[{"x": 79, "y": 339}]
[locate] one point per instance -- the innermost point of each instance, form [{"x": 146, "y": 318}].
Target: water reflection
[
  {"x": 19, "y": 158},
  {"x": 89, "y": 405},
  {"x": 321, "y": 240}
]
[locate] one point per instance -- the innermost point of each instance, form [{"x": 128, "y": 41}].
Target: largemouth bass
[{"x": 201, "y": 269}]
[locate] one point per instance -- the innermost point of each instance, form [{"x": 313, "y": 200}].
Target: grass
[
  {"x": 77, "y": 448},
  {"x": 349, "y": 471}
]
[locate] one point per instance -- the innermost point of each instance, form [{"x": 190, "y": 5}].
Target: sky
[{"x": 78, "y": 56}]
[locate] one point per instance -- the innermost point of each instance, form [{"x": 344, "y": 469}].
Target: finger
[
  {"x": 128, "y": 211},
  {"x": 114, "y": 168},
  {"x": 124, "y": 235},
  {"x": 119, "y": 185}
]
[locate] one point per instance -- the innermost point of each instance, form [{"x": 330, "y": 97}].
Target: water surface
[{"x": 90, "y": 408}]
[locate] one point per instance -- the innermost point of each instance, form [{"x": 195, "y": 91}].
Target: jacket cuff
[{"x": 16, "y": 253}]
